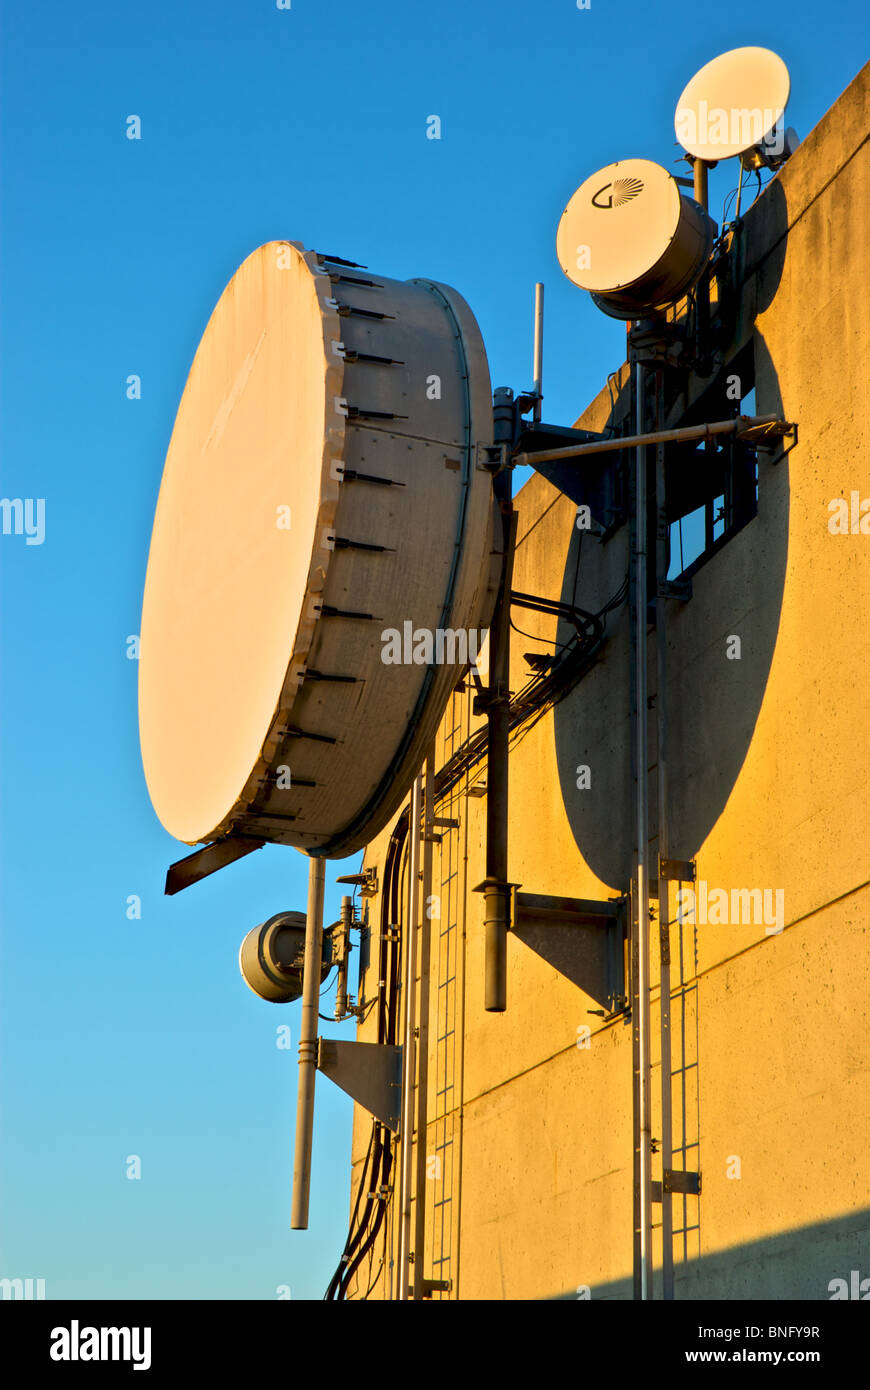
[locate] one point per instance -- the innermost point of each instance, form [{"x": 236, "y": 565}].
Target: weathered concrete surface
[{"x": 771, "y": 1045}]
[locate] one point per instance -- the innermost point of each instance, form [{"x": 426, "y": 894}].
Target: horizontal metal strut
[{"x": 764, "y": 424}]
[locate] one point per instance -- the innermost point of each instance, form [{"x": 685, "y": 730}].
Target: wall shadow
[
  {"x": 798, "y": 1264},
  {"x": 713, "y": 702},
  {"x": 584, "y": 955}
]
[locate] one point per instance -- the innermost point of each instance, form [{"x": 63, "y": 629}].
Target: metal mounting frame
[
  {"x": 675, "y": 1180},
  {"x": 370, "y": 1073},
  {"x": 611, "y": 914}
]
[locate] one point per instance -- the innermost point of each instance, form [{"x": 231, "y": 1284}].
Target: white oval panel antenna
[{"x": 733, "y": 104}]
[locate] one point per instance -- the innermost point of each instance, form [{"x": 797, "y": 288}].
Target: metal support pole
[
  {"x": 641, "y": 1003},
  {"x": 538, "y": 366},
  {"x": 343, "y": 952},
  {"x": 409, "y": 983},
  {"x": 681, "y": 435},
  {"x": 423, "y": 1025},
  {"x": 702, "y": 289},
  {"x": 699, "y": 173},
  {"x": 664, "y": 910},
  {"x": 495, "y": 887},
  {"x": 497, "y": 891},
  {"x": 308, "y": 1044}
]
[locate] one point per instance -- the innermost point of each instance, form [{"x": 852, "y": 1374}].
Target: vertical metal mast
[
  {"x": 538, "y": 365},
  {"x": 641, "y": 990},
  {"x": 496, "y": 889},
  {"x": 409, "y": 983},
  {"x": 423, "y": 1025},
  {"x": 341, "y": 945},
  {"x": 702, "y": 289},
  {"x": 663, "y": 849},
  {"x": 308, "y": 1044}
]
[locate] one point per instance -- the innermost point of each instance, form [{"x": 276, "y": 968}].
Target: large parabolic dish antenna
[{"x": 325, "y": 485}]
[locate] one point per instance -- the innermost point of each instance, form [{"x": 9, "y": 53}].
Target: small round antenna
[
  {"x": 734, "y": 104},
  {"x": 630, "y": 237}
]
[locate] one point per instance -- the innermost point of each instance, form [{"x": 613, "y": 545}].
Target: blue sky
[{"x": 120, "y": 1036}]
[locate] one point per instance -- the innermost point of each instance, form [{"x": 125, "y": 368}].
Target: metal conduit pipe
[
  {"x": 682, "y": 434},
  {"x": 308, "y": 1044},
  {"x": 343, "y": 952},
  {"x": 409, "y": 981},
  {"x": 643, "y": 1136},
  {"x": 538, "y": 364},
  {"x": 423, "y": 1025},
  {"x": 495, "y": 886},
  {"x": 662, "y": 533},
  {"x": 702, "y": 289}
]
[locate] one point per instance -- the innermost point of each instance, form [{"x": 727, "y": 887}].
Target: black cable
[
  {"x": 549, "y": 641},
  {"x": 738, "y": 193},
  {"x": 375, "y": 1149},
  {"x": 373, "y": 1281},
  {"x": 577, "y": 568},
  {"x": 531, "y": 703},
  {"x": 538, "y": 695},
  {"x": 334, "y": 1281},
  {"x": 727, "y": 204},
  {"x": 391, "y": 899},
  {"x": 372, "y": 1237},
  {"x": 380, "y": 1144},
  {"x": 370, "y": 1188},
  {"x": 328, "y": 982}
]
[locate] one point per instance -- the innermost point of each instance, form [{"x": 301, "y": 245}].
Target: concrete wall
[{"x": 770, "y": 1036}]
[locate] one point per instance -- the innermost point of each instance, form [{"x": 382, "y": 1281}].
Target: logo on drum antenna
[{"x": 623, "y": 191}]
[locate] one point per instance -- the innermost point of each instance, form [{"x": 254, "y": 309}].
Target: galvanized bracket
[
  {"x": 759, "y": 433},
  {"x": 674, "y": 1180},
  {"x": 432, "y": 837},
  {"x": 679, "y": 870},
  {"x": 502, "y": 887},
  {"x": 578, "y": 912},
  {"x": 431, "y": 1286},
  {"x": 492, "y": 457},
  {"x": 608, "y": 914},
  {"x": 673, "y": 871},
  {"x": 676, "y": 588},
  {"x": 370, "y": 1073},
  {"x": 367, "y": 882},
  {"x": 194, "y": 867},
  {"x": 792, "y": 435}
]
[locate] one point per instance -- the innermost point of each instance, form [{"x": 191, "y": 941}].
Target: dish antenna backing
[
  {"x": 734, "y": 106},
  {"x": 632, "y": 239},
  {"x": 325, "y": 483}
]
